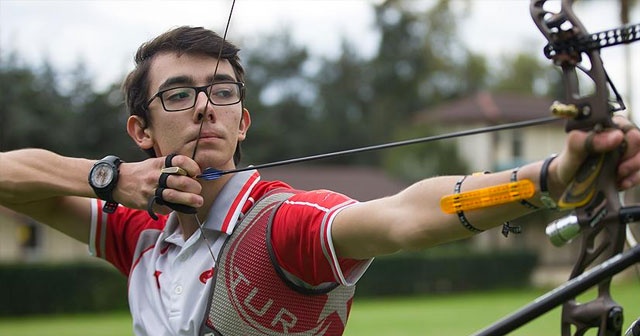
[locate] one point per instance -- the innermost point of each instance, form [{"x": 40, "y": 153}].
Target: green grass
[
  {"x": 465, "y": 314},
  {"x": 107, "y": 324},
  {"x": 450, "y": 315}
]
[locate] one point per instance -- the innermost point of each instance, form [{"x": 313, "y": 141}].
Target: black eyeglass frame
[{"x": 198, "y": 89}]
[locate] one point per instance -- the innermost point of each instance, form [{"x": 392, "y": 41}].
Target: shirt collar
[{"x": 226, "y": 208}]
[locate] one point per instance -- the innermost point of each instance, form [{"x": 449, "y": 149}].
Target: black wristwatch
[{"x": 103, "y": 178}]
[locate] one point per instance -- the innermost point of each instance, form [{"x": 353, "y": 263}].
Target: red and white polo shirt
[{"x": 169, "y": 277}]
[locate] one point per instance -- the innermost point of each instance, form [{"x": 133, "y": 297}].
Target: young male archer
[{"x": 254, "y": 257}]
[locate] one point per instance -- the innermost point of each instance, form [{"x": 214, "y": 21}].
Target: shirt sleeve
[
  {"x": 114, "y": 237},
  {"x": 301, "y": 239}
]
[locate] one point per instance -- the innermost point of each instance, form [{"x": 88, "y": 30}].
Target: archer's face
[{"x": 178, "y": 132}]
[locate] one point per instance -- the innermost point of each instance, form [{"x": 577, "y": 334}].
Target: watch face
[{"x": 102, "y": 175}]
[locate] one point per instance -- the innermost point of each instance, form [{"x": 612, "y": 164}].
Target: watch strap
[
  {"x": 106, "y": 193},
  {"x": 110, "y": 207}
]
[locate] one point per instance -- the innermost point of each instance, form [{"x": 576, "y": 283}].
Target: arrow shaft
[{"x": 474, "y": 131}]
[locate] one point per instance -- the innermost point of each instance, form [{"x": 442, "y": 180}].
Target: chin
[{"x": 214, "y": 162}]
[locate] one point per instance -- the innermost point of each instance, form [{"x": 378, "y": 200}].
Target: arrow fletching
[{"x": 211, "y": 174}]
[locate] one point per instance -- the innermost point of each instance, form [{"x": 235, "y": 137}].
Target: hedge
[
  {"x": 61, "y": 288},
  {"x": 447, "y": 271},
  {"x": 93, "y": 287}
]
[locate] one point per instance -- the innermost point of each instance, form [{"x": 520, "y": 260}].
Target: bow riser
[
  {"x": 593, "y": 111},
  {"x": 593, "y": 191},
  {"x": 603, "y": 236}
]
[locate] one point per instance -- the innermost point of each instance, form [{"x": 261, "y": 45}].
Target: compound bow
[{"x": 598, "y": 212}]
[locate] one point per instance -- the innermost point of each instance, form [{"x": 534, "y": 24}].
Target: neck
[{"x": 210, "y": 191}]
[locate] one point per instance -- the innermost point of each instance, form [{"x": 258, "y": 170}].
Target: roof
[
  {"x": 486, "y": 107},
  {"x": 358, "y": 182}
]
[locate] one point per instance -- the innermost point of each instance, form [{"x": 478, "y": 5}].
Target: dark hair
[{"x": 181, "y": 40}]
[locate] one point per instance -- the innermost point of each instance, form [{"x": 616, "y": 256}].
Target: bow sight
[{"x": 598, "y": 214}]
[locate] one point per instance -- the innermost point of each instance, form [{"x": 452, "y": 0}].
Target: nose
[{"x": 203, "y": 108}]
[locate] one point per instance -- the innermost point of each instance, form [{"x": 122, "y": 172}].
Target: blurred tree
[
  {"x": 349, "y": 101},
  {"x": 625, "y": 9},
  {"x": 34, "y": 112},
  {"x": 299, "y": 105},
  {"x": 100, "y": 127},
  {"x": 341, "y": 106},
  {"x": 99, "y": 121},
  {"x": 420, "y": 62},
  {"x": 358, "y": 102},
  {"x": 278, "y": 98},
  {"x": 41, "y": 108},
  {"x": 415, "y": 162},
  {"x": 524, "y": 72}
]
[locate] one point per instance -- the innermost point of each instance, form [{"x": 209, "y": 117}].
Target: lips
[
  {"x": 210, "y": 136},
  {"x": 207, "y": 135}
]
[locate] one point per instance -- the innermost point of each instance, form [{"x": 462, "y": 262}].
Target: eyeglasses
[{"x": 184, "y": 97}]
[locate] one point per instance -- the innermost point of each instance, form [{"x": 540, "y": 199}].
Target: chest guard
[{"x": 253, "y": 295}]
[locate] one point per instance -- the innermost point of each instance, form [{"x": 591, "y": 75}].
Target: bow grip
[{"x": 596, "y": 170}]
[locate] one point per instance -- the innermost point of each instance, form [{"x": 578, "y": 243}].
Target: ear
[
  {"x": 143, "y": 136},
  {"x": 245, "y": 122}
]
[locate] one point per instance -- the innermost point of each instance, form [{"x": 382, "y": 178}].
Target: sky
[{"x": 105, "y": 33}]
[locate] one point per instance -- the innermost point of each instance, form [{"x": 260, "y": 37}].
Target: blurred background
[{"x": 322, "y": 76}]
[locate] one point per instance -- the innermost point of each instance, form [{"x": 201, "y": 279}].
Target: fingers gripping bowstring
[{"x": 202, "y": 118}]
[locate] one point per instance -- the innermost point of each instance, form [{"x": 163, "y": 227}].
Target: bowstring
[{"x": 206, "y": 106}]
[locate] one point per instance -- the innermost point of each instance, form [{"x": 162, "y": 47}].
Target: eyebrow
[
  {"x": 187, "y": 80},
  {"x": 220, "y": 78}
]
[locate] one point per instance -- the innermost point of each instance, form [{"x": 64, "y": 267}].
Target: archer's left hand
[{"x": 579, "y": 144}]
